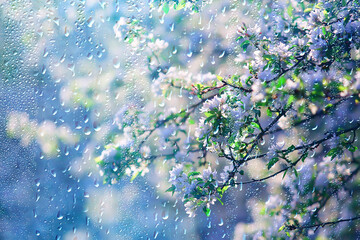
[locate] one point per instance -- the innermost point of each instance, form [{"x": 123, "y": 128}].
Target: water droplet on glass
[
  {"x": 155, "y": 217},
  {"x": 87, "y": 131},
  {"x": 221, "y": 222},
  {"x": 46, "y": 53},
  {"x": 96, "y": 183},
  {"x": 161, "y": 20},
  {"x": 37, "y": 197},
  {"x": 90, "y": 56},
  {"x": 90, "y": 22},
  {"x": 77, "y": 146},
  {"x": 222, "y": 54},
  {"x": 59, "y": 215},
  {"x": 116, "y": 62},
  {"x": 165, "y": 215},
  {"x": 96, "y": 126},
  {"x": 66, "y": 32},
  {"x": 172, "y": 27},
  {"x": 114, "y": 167},
  {"x": 37, "y": 182}
]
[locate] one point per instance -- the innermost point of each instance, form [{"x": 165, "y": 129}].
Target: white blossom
[
  {"x": 213, "y": 103},
  {"x": 257, "y": 93},
  {"x": 207, "y": 174},
  {"x": 158, "y": 45}
]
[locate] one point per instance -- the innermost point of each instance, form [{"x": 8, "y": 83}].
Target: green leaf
[
  {"x": 99, "y": 160},
  {"x": 304, "y": 156},
  {"x": 263, "y": 211},
  {"x": 134, "y": 176},
  {"x": 191, "y": 121},
  {"x": 250, "y": 130},
  {"x": 334, "y": 152},
  {"x": 207, "y": 211},
  {"x": 290, "y": 149},
  {"x": 225, "y": 188},
  {"x": 254, "y": 124},
  {"x": 208, "y": 114},
  {"x": 171, "y": 189},
  {"x": 245, "y": 44},
  {"x": 349, "y": 146},
  {"x": 281, "y": 82},
  {"x": 291, "y": 99},
  {"x": 290, "y": 11},
  {"x": 180, "y": 5},
  {"x": 324, "y": 31},
  {"x": 222, "y": 90},
  {"x": 222, "y": 190},
  {"x": 268, "y": 112},
  {"x": 239, "y": 38},
  {"x": 193, "y": 174},
  {"x": 130, "y": 40},
  {"x": 269, "y": 57},
  {"x": 272, "y": 162},
  {"x": 296, "y": 173},
  {"x": 284, "y": 174},
  {"x": 166, "y": 8},
  {"x": 220, "y": 201}
]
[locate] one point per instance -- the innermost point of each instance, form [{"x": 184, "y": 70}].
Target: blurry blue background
[{"x": 64, "y": 76}]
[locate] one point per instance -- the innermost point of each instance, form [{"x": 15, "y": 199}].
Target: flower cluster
[
  {"x": 118, "y": 161},
  {"x": 195, "y": 189},
  {"x": 131, "y": 31},
  {"x": 299, "y": 68}
]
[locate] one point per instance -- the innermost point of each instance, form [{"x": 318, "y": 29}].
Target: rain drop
[{"x": 59, "y": 215}]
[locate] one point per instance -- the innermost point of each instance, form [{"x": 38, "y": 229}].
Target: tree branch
[
  {"x": 283, "y": 71},
  {"x": 323, "y": 224},
  {"x": 276, "y": 173},
  {"x": 237, "y": 87},
  {"x": 315, "y": 143},
  {"x": 322, "y": 112}
]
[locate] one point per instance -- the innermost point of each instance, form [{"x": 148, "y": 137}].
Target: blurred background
[{"x": 64, "y": 75}]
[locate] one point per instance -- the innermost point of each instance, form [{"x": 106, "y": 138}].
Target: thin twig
[
  {"x": 330, "y": 223},
  {"x": 315, "y": 143},
  {"x": 274, "y": 174},
  {"x": 283, "y": 71}
]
